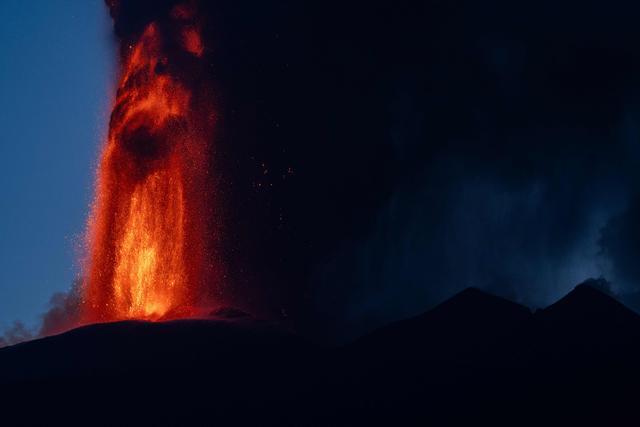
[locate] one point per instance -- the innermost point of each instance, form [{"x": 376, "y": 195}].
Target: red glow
[
  {"x": 192, "y": 41},
  {"x": 149, "y": 242}
]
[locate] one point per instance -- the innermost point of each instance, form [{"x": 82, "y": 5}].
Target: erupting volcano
[{"x": 150, "y": 238}]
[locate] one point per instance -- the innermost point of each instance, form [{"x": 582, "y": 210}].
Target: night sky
[{"x": 372, "y": 160}]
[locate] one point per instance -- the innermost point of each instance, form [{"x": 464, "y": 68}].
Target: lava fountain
[{"x": 150, "y": 238}]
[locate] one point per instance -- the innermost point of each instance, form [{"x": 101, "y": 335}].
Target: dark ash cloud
[{"x": 17, "y": 333}]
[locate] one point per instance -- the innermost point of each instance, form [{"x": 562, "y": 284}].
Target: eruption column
[{"x": 149, "y": 238}]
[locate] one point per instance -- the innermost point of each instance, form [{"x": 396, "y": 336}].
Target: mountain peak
[
  {"x": 586, "y": 293},
  {"x": 463, "y": 324},
  {"x": 473, "y": 292},
  {"x": 477, "y": 301},
  {"x": 589, "y": 302},
  {"x": 587, "y": 289}
]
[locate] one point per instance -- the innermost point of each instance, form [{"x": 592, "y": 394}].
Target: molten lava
[{"x": 149, "y": 242}]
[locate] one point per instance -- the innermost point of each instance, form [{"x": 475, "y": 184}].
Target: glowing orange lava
[{"x": 149, "y": 250}]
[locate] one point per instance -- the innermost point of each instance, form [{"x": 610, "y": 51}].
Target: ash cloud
[
  {"x": 514, "y": 150},
  {"x": 435, "y": 145},
  {"x": 62, "y": 314},
  {"x": 16, "y": 334},
  {"x": 131, "y": 16},
  {"x": 620, "y": 243}
]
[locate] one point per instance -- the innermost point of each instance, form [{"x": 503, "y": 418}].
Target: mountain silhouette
[
  {"x": 160, "y": 373},
  {"x": 469, "y": 320},
  {"x": 586, "y": 302},
  {"x": 585, "y": 323},
  {"x": 476, "y": 358}
]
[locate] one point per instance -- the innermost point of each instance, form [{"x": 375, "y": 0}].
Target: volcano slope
[{"x": 475, "y": 358}]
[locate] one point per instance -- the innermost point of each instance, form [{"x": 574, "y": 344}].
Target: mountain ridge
[{"x": 492, "y": 357}]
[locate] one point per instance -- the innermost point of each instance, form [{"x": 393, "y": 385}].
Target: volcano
[{"x": 475, "y": 358}]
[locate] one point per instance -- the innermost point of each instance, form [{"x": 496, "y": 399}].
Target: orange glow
[
  {"x": 192, "y": 42},
  {"x": 149, "y": 257}
]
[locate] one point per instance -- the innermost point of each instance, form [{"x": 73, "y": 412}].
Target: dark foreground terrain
[{"x": 474, "y": 360}]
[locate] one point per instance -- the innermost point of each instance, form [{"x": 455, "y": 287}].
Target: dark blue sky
[{"x": 56, "y": 68}]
